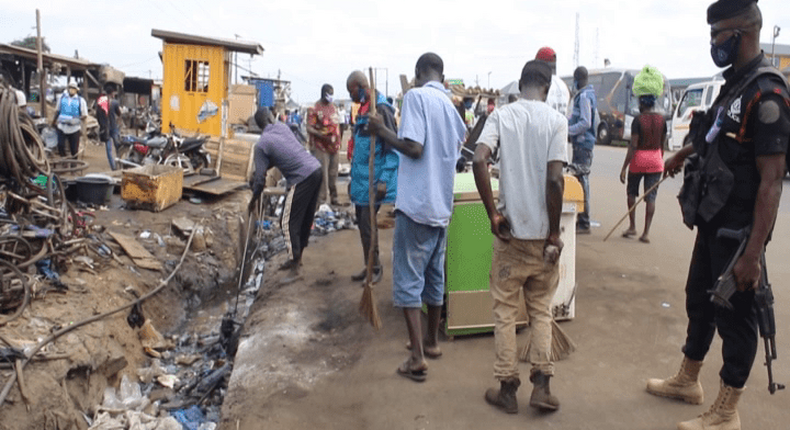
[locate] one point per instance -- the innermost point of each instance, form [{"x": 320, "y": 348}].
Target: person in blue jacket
[
  {"x": 386, "y": 165},
  {"x": 581, "y": 129}
]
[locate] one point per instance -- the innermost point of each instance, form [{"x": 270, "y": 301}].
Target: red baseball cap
[{"x": 546, "y": 54}]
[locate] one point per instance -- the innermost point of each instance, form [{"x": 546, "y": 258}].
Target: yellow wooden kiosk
[{"x": 195, "y": 93}]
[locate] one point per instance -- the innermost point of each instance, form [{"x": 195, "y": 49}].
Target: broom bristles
[
  {"x": 561, "y": 344},
  {"x": 368, "y": 308}
]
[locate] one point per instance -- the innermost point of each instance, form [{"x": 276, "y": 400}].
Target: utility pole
[
  {"x": 597, "y": 44},
  {"x": 773, "y": 45},
  {"x": 386, "y": 79},
  {"x": 42, "y": 80},
  {"x": 489, "y": 80},
  {"x": 236, "y": 61},
  {"x": 576, "y": 44}
]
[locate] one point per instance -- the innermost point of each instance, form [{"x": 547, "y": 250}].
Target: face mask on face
[
  {"x": 468, "y": 105},
  {"x": 724, "y": 54},
  {"x": 328, "y": 98},
  {"x": 575, "y": 85},
  {"x": 361, "y": 95}
]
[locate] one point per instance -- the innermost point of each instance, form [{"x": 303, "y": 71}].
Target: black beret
[
  {"x": 536, "y": 72},
  {"x": 725, "y": 9}
]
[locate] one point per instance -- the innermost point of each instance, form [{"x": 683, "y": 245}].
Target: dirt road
[{"x": 308, "y": 360}]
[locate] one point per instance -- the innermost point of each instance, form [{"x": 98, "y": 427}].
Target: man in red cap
[{"x": 559, "y": 94}]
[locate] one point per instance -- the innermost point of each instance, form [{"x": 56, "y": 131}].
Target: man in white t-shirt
[
  {"x": 559, "y": 96},
  {"x": 532, "y": 141}
]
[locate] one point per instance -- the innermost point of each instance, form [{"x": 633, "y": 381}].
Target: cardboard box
[
  {"x": 241, "y": 103},
  {"x": 153, "y": 187}
]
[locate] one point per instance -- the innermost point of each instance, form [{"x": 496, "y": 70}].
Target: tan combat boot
[
  {"x": 722, "y": 415},
  {"x": 684, "y": 385}
]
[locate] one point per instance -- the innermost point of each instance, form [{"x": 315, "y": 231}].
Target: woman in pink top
[{"x": 645, "y": 159}]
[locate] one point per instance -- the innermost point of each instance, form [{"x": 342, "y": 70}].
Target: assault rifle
[{"x": 725, "y": 287}]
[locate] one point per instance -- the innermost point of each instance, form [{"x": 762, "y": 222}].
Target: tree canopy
[{"x": 29, "y": 42}]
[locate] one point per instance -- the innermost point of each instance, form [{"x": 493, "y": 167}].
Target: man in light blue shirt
[{"x": 429, "y": 140}]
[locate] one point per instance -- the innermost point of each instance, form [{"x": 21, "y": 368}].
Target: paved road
[{"x": 629, "y": 326}]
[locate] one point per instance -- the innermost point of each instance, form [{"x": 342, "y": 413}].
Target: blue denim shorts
[
  {"x": 650, "y": 179},
  {"x": 417, "y": 263}
]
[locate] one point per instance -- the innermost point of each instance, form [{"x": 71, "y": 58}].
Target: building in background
[
  {"x": 196, "y": 80},
  {"x": 781, "y": 55}
]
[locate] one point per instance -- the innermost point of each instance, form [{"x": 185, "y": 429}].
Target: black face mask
[{"x": 725, "y": 53}]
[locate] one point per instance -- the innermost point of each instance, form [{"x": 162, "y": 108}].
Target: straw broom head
[
  {"x": 368, "y": 308},
  {"x": 561, "y": 344}
]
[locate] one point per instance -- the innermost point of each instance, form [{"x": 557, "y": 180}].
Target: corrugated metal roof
[
  {"x": 73, "y": 63},
  {"x": 244, "y": 46},
  {"x": 783, "y": 50}
]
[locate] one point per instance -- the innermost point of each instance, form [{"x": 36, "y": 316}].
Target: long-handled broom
[{"x": 367, "y": 306}]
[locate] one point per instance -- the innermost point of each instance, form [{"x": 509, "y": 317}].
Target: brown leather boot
[
  {"x": 505, "y": 397},
  {"x": 722, "y": 415},
  {"x": 684, "y": 385},
  {"x": 541, "y": 393}
]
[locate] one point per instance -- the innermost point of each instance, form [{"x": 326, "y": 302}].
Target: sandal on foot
[
  {"x": 629, "y": 233},
  {"x": 416, "y": 375},
  {"x": 644, "y": 239}
]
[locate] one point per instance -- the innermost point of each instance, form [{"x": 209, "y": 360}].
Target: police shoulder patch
[{"x": 769, "y": 112}]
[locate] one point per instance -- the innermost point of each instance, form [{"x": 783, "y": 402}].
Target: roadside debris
[
  {"x": 327, "y": 221},
  {"x": 38, "y": 226}
]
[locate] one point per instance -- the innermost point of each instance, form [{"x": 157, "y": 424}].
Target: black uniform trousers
[
  {"x": 737, "y": 328},
  {"x": 73, "y": 139},
  {"x": 299, "y": 212}
]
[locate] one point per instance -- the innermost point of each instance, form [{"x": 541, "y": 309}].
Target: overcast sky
[{"x": 313, "y": 42}]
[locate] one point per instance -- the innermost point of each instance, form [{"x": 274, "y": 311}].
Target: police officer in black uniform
[{"x": 733, "y": 180}]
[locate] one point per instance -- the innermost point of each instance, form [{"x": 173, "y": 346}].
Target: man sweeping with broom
[{"x": 531, "y": 138}]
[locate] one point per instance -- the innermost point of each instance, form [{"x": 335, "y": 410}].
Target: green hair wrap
[{"x": 648, "y": 81}]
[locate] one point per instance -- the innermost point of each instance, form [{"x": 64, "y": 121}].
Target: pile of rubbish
[
  {"x": 327, "y": 221},
  {"x": 185, "y": 382},
  {"x": 183, "y": 388},
  {"x": 39, "y": 228}
]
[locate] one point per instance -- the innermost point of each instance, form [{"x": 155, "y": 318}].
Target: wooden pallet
[{"x": 237, "y": 158}]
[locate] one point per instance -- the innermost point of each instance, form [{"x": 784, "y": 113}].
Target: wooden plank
[
  {"x": 139, "y": 255},
  {"x": 232, "y": 177},
  {"x": 193, "y": 180},
  {"x": 218, "y": 187},
  {"x": 147, "y": 263}
]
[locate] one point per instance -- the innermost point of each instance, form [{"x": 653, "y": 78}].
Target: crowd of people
[{"x": 733, "y": 180}]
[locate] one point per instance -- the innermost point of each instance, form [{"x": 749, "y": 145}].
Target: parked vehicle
[
  {"x": 169, "y": 149},
  {"x": 188, "y": 152},
  {"x": 134, "y": 151},
  {"x": 697, "y": 97},
  {"x": 617, "y": 105}
]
